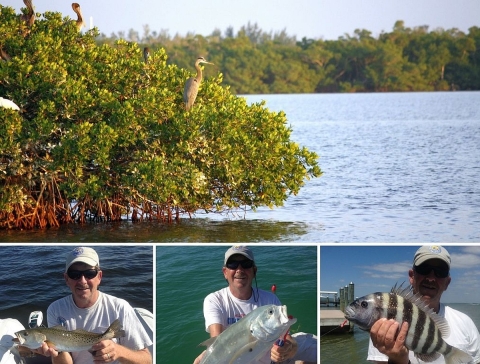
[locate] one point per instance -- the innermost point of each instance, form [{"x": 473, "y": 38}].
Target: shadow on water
[{"x": 187, "y": 230}]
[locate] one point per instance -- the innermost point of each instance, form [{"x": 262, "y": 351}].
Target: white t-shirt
[
  {"x": 221, "y": 307},
  {"x": 97, "y": 319},
  {"x": 463, "y": 335}
]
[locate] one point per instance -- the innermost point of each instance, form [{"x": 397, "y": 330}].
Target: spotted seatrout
[
  {"x": 426, "y": 329},
  {"x": 63, "y": 340}
]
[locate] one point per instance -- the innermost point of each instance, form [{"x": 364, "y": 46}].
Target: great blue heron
[
  {"x": 29, "y": 18},
  {"x": 193, "y": 83},
  {"x": 7, "y": 104},
  {"x": 79, "y": 21},
  {"x": 146, "y": 54}
]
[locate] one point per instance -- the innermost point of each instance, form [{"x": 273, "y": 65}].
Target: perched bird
[
  {"x": 4, "y": 55},
  {"x": 29, "y": 18},
  {"x": 193, "y": 83},
  {"x": 146, "y": 54},
  {"x": 79, "y": 21},
  {"x": 7, "y": 104}
]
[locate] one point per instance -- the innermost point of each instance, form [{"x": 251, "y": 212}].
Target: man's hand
[
  {"x": 198, "y": 359},
  {"x": 45, "y": 350},
  {"x": 279, "y": 354},
  {"x": 104, "y": 352},
  {"x": 384, "y": 337}
]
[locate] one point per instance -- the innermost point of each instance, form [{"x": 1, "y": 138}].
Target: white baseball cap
[
  {"x": 238, "y": 249},
  {"x": 431, "y": 252},
  {"x": 84, "y": 255}
]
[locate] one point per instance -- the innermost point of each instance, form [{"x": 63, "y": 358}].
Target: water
[
  {"x": 398, "y": 167},
  {"x": 347, "y": 348},
  {"x": 32, "y": 277},
  {"x": 186, "y": 274}
]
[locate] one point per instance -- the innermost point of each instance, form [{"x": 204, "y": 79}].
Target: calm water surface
[
  {"x": 348, "y": 348},
  {"x": 398, "y": 167}
]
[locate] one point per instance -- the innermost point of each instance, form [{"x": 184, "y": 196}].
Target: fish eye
[{"x": 364, "y": 304}]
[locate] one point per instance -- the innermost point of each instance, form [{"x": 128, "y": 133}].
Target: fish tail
[
  {"x": 115, "y": 329},
  {"x": 457, "y": 356}
]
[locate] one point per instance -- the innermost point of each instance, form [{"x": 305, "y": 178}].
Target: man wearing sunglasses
[
  {"x": 89, "y": 309},
  {"x": 430, "y": 277},
  {"x": 228, "y": 305}
]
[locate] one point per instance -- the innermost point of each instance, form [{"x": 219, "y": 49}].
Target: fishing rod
[
  {"x": 281, "y": 341},
  {"x": 336, "y": 327}
]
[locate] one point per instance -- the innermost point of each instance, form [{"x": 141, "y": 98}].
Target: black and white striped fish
[{"x": 426, "y": 329}]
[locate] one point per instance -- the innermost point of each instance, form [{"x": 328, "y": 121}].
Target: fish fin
[
  {"x": 50, "y": 344},
  {"x": 59, "y": 327},
  {"x": 246, "y": 348},
  {"x": 457, "y": 356},
  {"x": 116, "y": 329},
  {"x": 208, "y": 342},
  {"x": 24, "y": 351},
  {"x": 80, "y": 331},
  {"x": 416, "y": 299},
  {"x": 427, "y": 358}
]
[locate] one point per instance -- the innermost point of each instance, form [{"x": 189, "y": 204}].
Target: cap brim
[{"x": 85, "y": 260}]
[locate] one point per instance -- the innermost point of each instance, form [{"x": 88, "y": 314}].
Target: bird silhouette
[{"x": 146, "y": 54}]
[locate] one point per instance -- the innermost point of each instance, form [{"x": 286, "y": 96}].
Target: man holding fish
[
  {"x": 225, "y": 307},
  {"x": 86, "y": 310},
  {"x": 412, "y": 325}
]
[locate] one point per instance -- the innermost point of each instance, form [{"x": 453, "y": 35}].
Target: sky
[
  {"x": 316, "y": 19},
  {"x": 379, "y": 268}
]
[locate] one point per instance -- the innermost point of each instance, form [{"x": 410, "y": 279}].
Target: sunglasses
[
  {"x": 425, "y": 269},
  {"x": 77, "y": 274},
  {"x": 246, "y": 264}
]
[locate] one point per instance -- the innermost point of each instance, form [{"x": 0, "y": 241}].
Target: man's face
[
  {"x": 84, "y": 289},
  {"x": 429, "y": 280},
  {"x": 239, "y": 277}
]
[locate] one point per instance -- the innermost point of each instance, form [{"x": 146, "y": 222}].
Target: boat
[
  {"x": 327, "y": 299},
  {"x": 10, "y": 354}
]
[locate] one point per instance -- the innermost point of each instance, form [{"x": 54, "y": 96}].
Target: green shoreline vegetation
[
  {"x": 101, "y": 134},
  {"x": 256, "y": 62}
]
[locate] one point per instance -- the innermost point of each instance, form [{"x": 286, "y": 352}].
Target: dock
[{"x": 333, "y": 322}]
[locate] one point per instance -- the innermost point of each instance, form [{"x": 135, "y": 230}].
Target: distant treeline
[{"x": 253, "y": 61}]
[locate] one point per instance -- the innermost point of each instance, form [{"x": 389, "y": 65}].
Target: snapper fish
[
  {"x": 426, "y": 329},
  {"x": 249, "y": 338},
  {"x": 61, "y": 339}
]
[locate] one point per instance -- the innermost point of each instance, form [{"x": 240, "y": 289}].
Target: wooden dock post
[
  {"x": 350, "y": 298},
  {"x": 351, "y": 295},
  {"x": 342, "y": 299}
]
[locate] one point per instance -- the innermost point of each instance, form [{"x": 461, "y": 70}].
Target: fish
[
  {"x": 61, "y": 339},
  {"x": 426, "y": 329},
  {"x": 249, "y": 338}
]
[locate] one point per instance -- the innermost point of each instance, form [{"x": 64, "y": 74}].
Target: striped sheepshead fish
[{"x": 426, "y": 329}]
